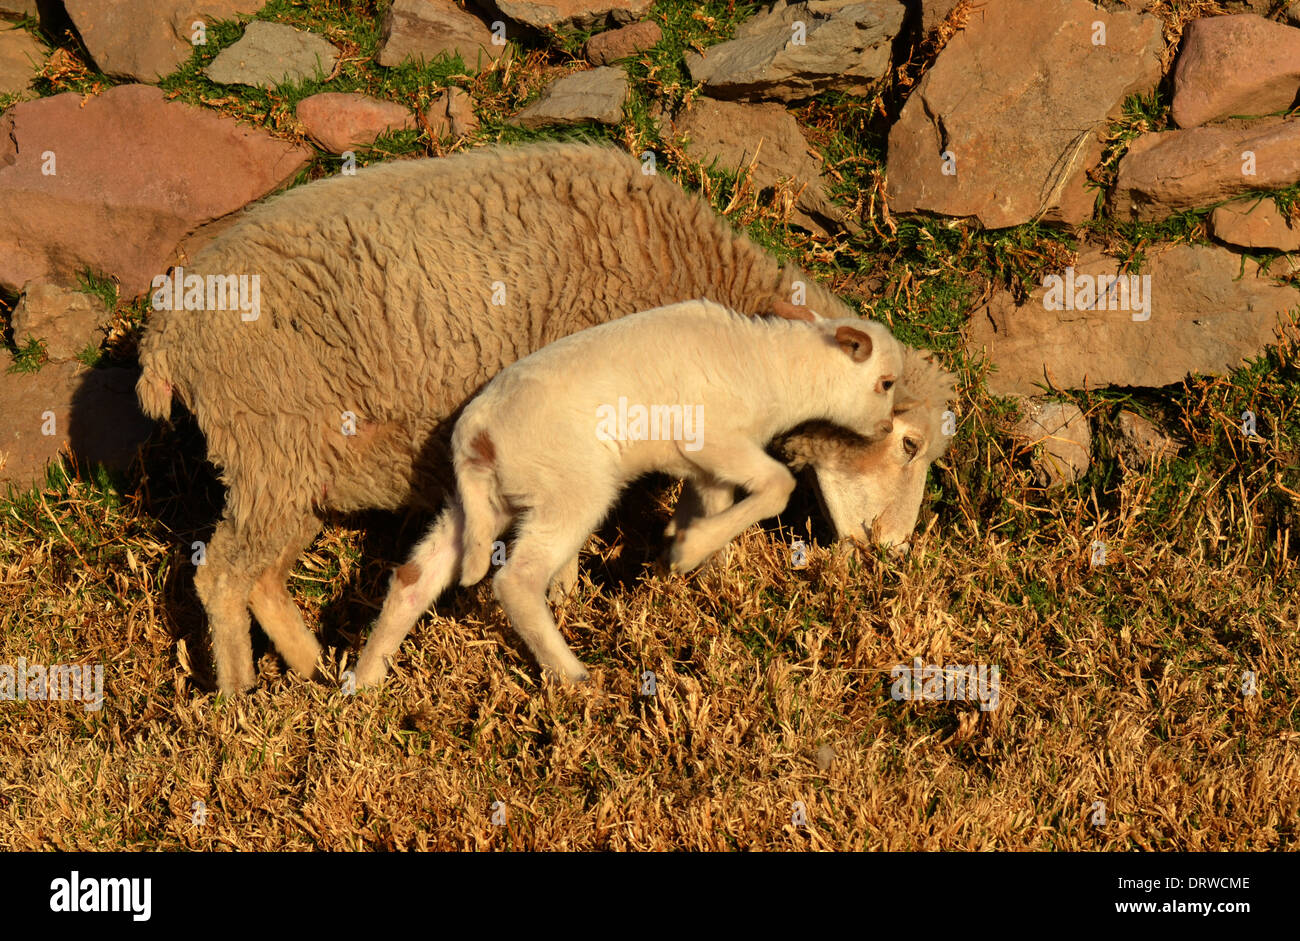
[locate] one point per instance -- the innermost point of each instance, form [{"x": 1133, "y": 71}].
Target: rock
[
  {"x": 1141, "y": 443},
  {"x": 452, "y": 114},
  {"x": 271, "y": 54},
  {"x": 68, "y": 321},
  {"x": 1172, "y": 171},
  {"x": 845, "y": 50},
  {"x": 17, "y": 9},
  {"x": 1284, "y": 267},
  {"x": 1019, "y": 139},
  {"x": 1235, "y": 65},
  {"x": 1201, "y": 316},
  {"x": 21, "y": 60},
  {"x": 1254, "y": 223},
  {"x": 340, "y": 121},
  {"x": 934, "y": 12},
  {"x": 133, "y": 174},
  {"x": 767, "y": 135},
  {"x": 824, "y": 756},
  {"x": 422, "y": 30},
  {"x": 1062, "y": 441},
  {"x": 146, "y": 39},
  {"x": 595, "y": 95},
  {"x": 615, "y": 44},
  {"x": 576, "y": 14},
  {"x": 93, "y": 411}
]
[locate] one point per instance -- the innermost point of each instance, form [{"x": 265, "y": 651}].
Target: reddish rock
[
  {"x": 21, "y": 60},
  {"x": 146, "y": 39},
  {"x": 1172, "y": 171},
  {"x": 1203, "y": 316},
  {"x": 1254, "y": 223},
  {"x": 615, "y": 44},
  {"x": 68, "y": 321},
  {"x": 452, "y": 114},
  {"x": 1017, "y": 100},
  {"x": 1235, "y": 65},
  {"x": 768, "y": 137},
  {"x": 422, "y": 30},
  {"x": 542, "y": 14},
  {"x": 131, "y": 175},
  {"x": 91, "y": 411},
  {"x": 340, "y": 121}
]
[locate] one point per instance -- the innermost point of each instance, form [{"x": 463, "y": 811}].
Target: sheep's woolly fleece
[{"x": 377, "y": 299}]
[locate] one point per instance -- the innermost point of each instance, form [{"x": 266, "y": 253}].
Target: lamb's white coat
[{"x": 527, "y": 451}]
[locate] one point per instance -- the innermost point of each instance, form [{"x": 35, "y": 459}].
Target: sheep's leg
[
  {"x": 415, "y": 586},
  {"x": 276, "y": 611},
  {"x": 741, "y": 463},
  {"x": 224, "y": 588},
  {"x": 545, "y": 542}
]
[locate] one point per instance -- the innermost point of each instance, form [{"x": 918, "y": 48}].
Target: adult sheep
[{"x": 387, "y": 299}]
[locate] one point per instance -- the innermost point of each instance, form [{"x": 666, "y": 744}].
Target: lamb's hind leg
[
  {"x": 545, "y": 542},
  {"x": 434, "y": 564},
  {"x": 276, "y": 611}
]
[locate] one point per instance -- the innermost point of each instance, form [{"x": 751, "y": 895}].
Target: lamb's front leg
[
  {"x": 433, "y": 566},
  {"x": 740, "y": 463},
  {"x": 699, "y": 499},
  {"x": 565, "y": 580}
]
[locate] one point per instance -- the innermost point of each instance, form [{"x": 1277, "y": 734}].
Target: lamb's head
[
  {"x": 873, "y": 488},
  {"x": 875, "y": 361}
]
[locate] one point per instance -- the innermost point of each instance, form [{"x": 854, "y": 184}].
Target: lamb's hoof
[
  {"x": 685, "y": 556},
  {"x": 570, "y": 673}
]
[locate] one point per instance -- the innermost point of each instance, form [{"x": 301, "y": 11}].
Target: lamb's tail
[{"x": 481, "y": 502}]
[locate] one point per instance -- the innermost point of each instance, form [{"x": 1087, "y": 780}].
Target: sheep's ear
[
  {"x": 855, "y": 342},
  {"x": 787, "y": 311}
]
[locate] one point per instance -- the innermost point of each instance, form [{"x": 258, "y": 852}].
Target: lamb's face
[
  {"x": 873, "y": 490},
  {"x": 877, "y": 361}
]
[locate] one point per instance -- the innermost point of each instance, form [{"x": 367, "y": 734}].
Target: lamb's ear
[
  {"x": 787, "y": 311},
  {"x": 855, "y": 342}
]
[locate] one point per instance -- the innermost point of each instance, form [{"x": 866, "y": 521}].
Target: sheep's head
[{"x": 873, "y": 489}]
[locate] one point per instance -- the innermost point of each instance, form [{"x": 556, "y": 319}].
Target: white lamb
[{"x": 693, "y": 389}]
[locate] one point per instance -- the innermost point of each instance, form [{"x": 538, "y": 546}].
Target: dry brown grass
[{"x": 1119, "y": 683}]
